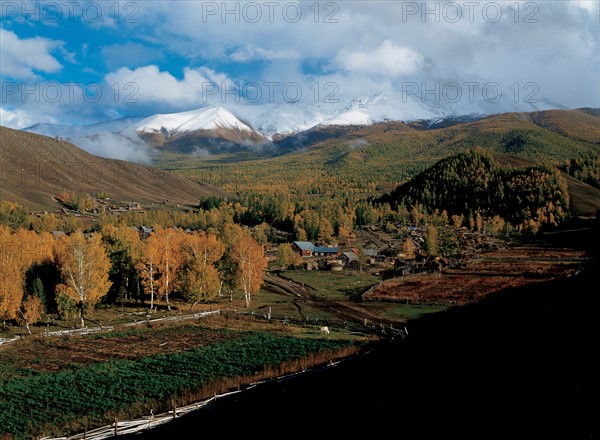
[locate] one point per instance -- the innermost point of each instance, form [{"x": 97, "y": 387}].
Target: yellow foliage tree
[
  {"x": 251, "y": 265},
  {"x": 168, "y": 242},
  {"x": 147, "y": 266},
  {"x": 11, "y": 286},
  {"x": 287, "y": 256},
  {"x": 18, "y": 251},
  {"x": 408, "y": 248},
  {"x": 84, "y": 266},
  {"x": 199, "y": 279},
  {"x": 31, "y": 312}
]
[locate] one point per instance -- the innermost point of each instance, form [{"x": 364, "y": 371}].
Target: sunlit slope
[{"x": 36, "y": 168}]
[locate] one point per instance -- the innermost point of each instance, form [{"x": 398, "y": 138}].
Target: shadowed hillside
[{"x": 36, "y": 168}]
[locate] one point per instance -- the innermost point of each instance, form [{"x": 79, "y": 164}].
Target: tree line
[
  {"x": 470, "y": 185},
  {"x": 586, "y": 169},
  {"x": 71, "y": 273}
]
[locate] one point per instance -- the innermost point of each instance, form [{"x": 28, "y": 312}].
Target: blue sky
[{"x": 84, "y": 61}]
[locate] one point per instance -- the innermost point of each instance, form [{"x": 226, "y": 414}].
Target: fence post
[{"x": 116, "y": 426}]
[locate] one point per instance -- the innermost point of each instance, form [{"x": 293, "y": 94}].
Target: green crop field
[{"x": 38, "y": 401}]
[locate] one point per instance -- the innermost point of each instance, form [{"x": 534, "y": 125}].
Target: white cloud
[
  {"x": 590, "y": 6},
  {"x": 159, "y": 87},
  {"x": 22, "y": 57},
  {"x": 387, "y": 60},
  {"x": 15, "y": 118},
  {"x": 371, "y": 47},
  {"x": 115, "y": 146},
  {"x": 251, "y": 53}
]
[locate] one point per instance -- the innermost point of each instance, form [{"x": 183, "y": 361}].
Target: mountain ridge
[{"x": 244, "y": 126}]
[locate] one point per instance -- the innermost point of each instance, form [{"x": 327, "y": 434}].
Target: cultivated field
[
  {"x": 486, "y": 274},
  {"x": 59, "y": 385}
]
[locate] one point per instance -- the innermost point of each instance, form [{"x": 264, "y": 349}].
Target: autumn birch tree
[
  {"x": 200, "y": 278},
  {"x": 31, "y": 311},
  {"x": 168, "y": 242},
  {"x": 84, "y": 266},
  {"x": 251, "y": 265},
  {"x": 148, "y": 266}
]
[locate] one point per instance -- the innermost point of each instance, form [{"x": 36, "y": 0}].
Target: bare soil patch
[{"x": 488, "y": 273}]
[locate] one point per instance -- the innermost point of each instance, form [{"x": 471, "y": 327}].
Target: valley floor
[{"x": 520, "y": 364}]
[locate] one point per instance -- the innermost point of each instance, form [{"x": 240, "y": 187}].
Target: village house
[
  {"x": 325, "y": 251},
  {"x": 305, "y": 248},
  {"x": 348, "y": 257},
  {"x": 308, "y": 249}
]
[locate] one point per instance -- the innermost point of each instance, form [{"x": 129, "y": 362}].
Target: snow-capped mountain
[
  {"x": 211, "y": 118},
  {"x": 244, "y": 126}
]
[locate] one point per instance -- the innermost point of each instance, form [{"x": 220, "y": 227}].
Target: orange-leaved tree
[
  {"x": 84, "y": 266},
  {"x": 11, "y": 277},
  {"x": 18, "y": 251},
  {"x": 31, "y": 311}
]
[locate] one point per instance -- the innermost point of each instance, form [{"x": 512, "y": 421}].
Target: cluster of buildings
[{"x": 333, "y": 257}]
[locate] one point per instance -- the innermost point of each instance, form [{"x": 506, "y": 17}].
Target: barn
[{"x": 348, "y": 257}]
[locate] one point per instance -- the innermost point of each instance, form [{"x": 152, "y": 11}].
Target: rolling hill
[{"x": 35, "y": 168}]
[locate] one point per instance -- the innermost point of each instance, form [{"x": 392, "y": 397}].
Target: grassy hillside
[{"x": 36, "y": 168}]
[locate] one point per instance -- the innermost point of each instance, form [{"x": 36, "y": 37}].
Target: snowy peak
[
  {"x": 243, "y": 126},
  {"x": 366, "y": 102},
  {"x": 212, "y": 118},
  {"x": 351, "y": 117}
]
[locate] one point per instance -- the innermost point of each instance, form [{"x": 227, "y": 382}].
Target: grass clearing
[
  {"x": 410, "y": 311},
  {"x": 334, "y": 285}
]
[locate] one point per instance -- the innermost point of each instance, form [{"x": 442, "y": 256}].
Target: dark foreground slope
[{"x": 519, "y": 365}]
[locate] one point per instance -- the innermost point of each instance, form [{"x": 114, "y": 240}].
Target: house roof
[
  {"x": 325, "y": 250},
  {"x": 371, "y": 252},
  {"x": 304, "y": 245},
  {"x": 350, "y": 255}
]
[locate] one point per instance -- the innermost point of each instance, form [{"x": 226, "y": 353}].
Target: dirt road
[{"x": 346, "y": 310}]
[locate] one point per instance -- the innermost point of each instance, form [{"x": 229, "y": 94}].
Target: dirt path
[
  {"x": 373, "y": 239},
  {"x": 344, "y": 310},
  {"x": 287, "y": 286},
  {"x": 91, "y": 330}
]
